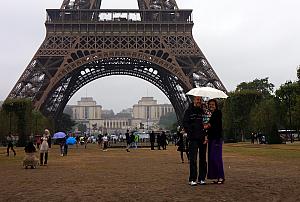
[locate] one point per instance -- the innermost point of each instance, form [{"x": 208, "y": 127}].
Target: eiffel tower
[{"x": 84, "y": 42}]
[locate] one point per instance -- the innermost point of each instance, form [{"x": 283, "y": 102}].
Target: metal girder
[
  {"x": 152, "y": 73},
  {"x": 81, "y": 4},
  {"x": 84, "y": 43},
  {"x": 158, "y": 4},
  {"x": 143, "y": 4}
]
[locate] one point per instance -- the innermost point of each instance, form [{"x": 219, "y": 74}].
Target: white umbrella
[{"x": 207, "y": 92}]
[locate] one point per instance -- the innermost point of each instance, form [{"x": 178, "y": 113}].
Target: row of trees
[
  {"x": 18, "y": 117},
  {"x": 255, "y": 107}
]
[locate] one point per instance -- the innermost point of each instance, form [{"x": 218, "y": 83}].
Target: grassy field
[
  {"x": 279, "y": 152},
  {"x": 253, "y": 173}
]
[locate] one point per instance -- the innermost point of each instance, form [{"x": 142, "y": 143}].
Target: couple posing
[{"x": 198, "y": 140}]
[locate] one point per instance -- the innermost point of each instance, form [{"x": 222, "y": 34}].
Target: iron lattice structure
[{"x": 84, "y": 43}]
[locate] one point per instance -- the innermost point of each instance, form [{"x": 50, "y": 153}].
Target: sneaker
[
  {"x": 202, "y": 182},
  {"x": 192, "y": 183}
]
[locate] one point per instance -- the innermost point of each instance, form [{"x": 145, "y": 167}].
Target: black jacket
[
  {"x": 152, "y": 137},
  {"x": 215, "y": 131},
  {"x": 193, "y": 123}
]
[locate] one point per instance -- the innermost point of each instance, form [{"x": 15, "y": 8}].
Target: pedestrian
[
  {"x": 158, "y": 140},
  {"x": 77, "y": 140},
  {"x": 85, "y": 141},
  {"x": 136, "y": 140},
  {"x": 100, "y": 140},
  {"x": 215, "y": 141},
  {"x": 10, "y": 144},
  {"x": 193, "y": 125},
  {"x": 182, "y": 144},
  {"x": 163, "y": 139},
  {"x": 128, "y": 142},
  {"x": 252, "y": 138},
  {"x": 44, "y": 150},
  {"x": 105, "y": 142},
  {"x": 66, "y": 146},
  {"x": 152, "y": 140},
  {"x": 47, "y": 132}
]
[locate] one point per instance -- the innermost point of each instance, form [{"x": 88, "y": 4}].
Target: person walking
[
  {"x": 215, "y": 141},
  {"x": 105, "y": 142},
  {"x": 136, "y": 140},
  {"x": 66, "y": 146},
  {"x": 158, "y": 140},
  {"x": 44, "y": 150},
  {"x": 10, "y": 144},
  {"x": 193, "y": 125},
  {"x": 128, "y": 140},
  {"x": 152, "y": 140},
  {"x": 62, "y": 142},
  {"x": 163, "y": 140},
  {"x": 182, "y": 144}
]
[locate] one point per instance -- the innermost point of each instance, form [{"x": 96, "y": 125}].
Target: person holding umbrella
[
  {"x": 193, "y": 125},
  {"x": 61, "y": 138}
]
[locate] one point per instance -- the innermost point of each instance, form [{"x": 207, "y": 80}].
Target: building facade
[
  {"x": 86, "y": 109},
  {"x": 146, "y": 112}
]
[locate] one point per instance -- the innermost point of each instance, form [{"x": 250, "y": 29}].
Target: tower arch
[{"x": 89, "y": 68}]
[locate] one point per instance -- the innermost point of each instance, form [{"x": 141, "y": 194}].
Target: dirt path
[{"x": 143, "y": 175}]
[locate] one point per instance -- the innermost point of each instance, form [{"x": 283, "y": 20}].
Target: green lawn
[{"x": 280, "y": 151}]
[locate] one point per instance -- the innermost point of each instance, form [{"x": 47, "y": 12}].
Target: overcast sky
[{"x": 242, "y": 39}]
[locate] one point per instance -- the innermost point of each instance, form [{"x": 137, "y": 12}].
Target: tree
[
  {"x": 236, "y": 113},
  {"x": 40, "y": 123},
  {"x": 287, "y": 97},
  {"x": 264, "y": 119},
  {"x": 167, "y": 121},
  {"x": 64, "y": 123},
  {"x": 21, "y": 110},
  {"x": 260, "y": 85},
  {"x": 82, "y": 128}
]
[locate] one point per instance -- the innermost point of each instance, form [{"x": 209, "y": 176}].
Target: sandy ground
[{"x": 143, "y": 175}]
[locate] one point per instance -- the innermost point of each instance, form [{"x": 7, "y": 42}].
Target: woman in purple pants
[{"x": 215, "y": 142}]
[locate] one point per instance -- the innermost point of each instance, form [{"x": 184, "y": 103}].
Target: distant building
[
  {"x": 97, "y": 120},
  {"x": 86, "y": 109},
  {"x": 147, "y": 112}
]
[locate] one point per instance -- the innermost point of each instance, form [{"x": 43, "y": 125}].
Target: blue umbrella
[
  {"x": 71, "y": 140},
  {"x": 59, "y": 135}
]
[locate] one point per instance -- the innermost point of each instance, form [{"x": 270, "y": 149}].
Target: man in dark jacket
[
  {"x": 128, "y": 140},
  {"x": 193, "y": 125},
  {"x": 152, "y": 139}
]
